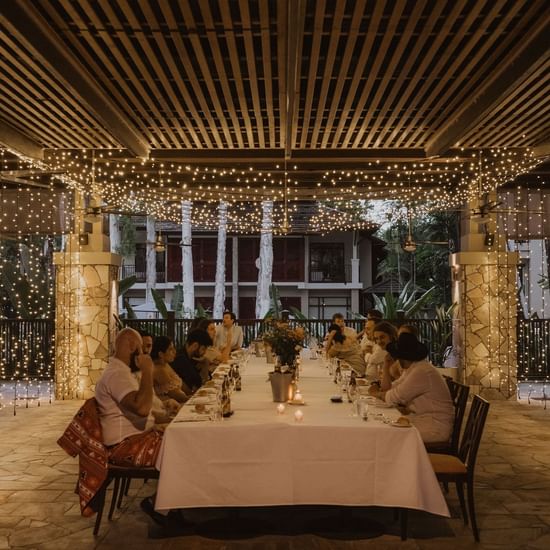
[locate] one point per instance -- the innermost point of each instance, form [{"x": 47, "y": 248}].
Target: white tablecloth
[{"x": 260, "y": 458}]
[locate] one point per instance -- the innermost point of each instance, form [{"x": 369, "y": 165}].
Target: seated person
[
  {"x": 212, "y": 356},
  {"x": 333, "y": 329},
  {"x": 367, "y": 340},
  {"x": 383, "y": 333},
  {"x": 372, "y": 315},
  {"x": 411, "y": 329},
  {"x": 147, "y": 340},
  {"x": 167, "y": 384},
  {"x": 229, "y": 330},
  {"x": 348, "y": 332},
  {"x": 125, "y": 404},
  {"x": 348, "y": 350},
  {"x": 420, "y": 389},
  {"x": 186, "y": 364}
]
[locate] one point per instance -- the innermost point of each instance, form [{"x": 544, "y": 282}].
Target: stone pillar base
[{"x": 485, "y": 327}]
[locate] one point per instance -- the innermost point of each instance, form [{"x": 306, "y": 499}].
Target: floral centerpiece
[{"x": 285, "y": 342}]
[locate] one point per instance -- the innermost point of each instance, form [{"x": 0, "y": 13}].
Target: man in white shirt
[
  {"x": 125, "y": 409},
  {"x": 229, "y": 331},
  {"x": 124, "y": 403},
  {"x": 421, "y": 390}
]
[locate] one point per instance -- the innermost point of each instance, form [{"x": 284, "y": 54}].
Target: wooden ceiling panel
[{"x": 291, "y": 77}]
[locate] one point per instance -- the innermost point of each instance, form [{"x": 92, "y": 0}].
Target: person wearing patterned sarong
[{"x": 127, "y": 423}]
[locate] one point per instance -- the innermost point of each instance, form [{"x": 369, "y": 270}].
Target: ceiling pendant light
[{"x": 159, "y": 243}]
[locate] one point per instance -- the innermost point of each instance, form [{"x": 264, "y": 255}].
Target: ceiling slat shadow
[{"x": 318, "y": 83}]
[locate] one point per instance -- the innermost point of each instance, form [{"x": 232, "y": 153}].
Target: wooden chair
[
  {"x": 122, "y": 476},
  {"x": 460, "y": 469},
  {"x": 459, "y": 395}
]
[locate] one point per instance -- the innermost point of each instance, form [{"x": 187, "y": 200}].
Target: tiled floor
[{"x": 38, "y": 508}]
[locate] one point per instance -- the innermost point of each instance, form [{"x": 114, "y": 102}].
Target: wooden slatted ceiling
[
  {"x": 39, "y": 105},
  {"x": 212, "y": 74}
]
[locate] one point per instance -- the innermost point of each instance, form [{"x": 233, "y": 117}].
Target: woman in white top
[{"x": 420, "y": 390}]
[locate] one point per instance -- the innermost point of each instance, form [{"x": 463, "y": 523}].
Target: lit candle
[
  {"x": 298, "y": 397},
  {"x": 298, "y": 415},
  {"x": 280, "y": 408}
]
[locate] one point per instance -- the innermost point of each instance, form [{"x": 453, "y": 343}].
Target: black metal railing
[
  {"x": 27, "y": 346},
  {"x": 533, "y": 349},
  {"x": 27, "y": 349}
]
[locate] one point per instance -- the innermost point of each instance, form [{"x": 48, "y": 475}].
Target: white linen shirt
[
  {"x": 424, "y": 391},
  {"x": 220, "y": 340},
  {"x": 116, "y": 382}
]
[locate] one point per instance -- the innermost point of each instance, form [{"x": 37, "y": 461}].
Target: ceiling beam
[
  {"x": 542, "y": 150},
  {"x": 295, "y": 25},
  {"x": 19, "y": 143},
  {"x": 512, "y": 72},
  {"x": 24, "y": 21}
]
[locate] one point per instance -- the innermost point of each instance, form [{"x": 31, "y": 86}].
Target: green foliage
[
  {"x": 177, "y": 301},
  {"x": 406, "y": 302},
  {"x": 159, "y": 303},
  {"x": 544, "y": 282},
  {"x": 200, "y": 312},
  {"x": 275, "y": 306},
  {"x": 126, "y": 284},
  {"x": 442, "y": 331},
  {"x": 429, "y": 265},
  {"x": 298, "y": 314}
]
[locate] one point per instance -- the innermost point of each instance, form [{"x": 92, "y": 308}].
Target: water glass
[{"x": 362, "y": 407}]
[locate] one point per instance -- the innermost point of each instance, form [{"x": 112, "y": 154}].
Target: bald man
[{"x": 125, "y": 404}]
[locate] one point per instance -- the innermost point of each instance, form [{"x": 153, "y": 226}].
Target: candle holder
[
  {"x": 280, "y": 408},
  {"x": 298, "y": 416}
]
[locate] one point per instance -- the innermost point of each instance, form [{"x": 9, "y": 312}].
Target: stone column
[
  {"x": 86, "y": 302},
  {"x": 484, "y": 335}
]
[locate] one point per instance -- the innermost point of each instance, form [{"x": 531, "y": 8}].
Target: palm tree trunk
[
  {"x": 187, "y": 260},
  {"x": 265, "y": 267},
  {"x": 219, "y": 290}
]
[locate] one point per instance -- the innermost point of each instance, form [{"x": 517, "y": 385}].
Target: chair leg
[
  {"x": 116, "y": 490},
  {"x": 460, "y": 493},
  {"x": 404, "y": 517},
  {"x": 100, "y": 505},
  {"x": 122, "y": 492},
  {"x": 127, "y": 488},
  {"x": 471, "y": 506}
]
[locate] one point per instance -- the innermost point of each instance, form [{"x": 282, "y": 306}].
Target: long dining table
[{"x": 260, "y": 457}]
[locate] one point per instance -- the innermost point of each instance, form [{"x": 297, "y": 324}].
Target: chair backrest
[
  {"x": 471, "y": 438},
  {"x": 459, "y": 395}
]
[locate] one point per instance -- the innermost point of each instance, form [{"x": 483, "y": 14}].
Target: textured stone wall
[
  {"x": 486, "y": 324},
  {"x": 84, "y": 325}
]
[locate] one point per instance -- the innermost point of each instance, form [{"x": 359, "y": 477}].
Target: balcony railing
[
  {"x": 331, "y": 275},
  {"x": 27, "y": 346},
  {"x": 129, "y": 270}
]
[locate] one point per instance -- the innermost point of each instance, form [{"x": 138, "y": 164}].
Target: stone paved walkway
[{"x": 38, "y": 508}]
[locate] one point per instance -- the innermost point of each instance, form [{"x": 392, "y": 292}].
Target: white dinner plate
[{"x": 396, "y": 424}]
